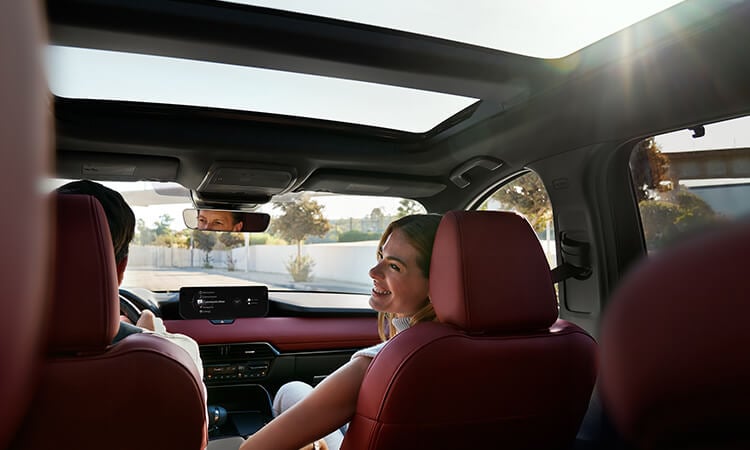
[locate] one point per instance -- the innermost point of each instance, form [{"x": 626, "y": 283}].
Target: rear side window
[
  {"x": 684, "y": 181},
  {"x": 527, "y": 196}
]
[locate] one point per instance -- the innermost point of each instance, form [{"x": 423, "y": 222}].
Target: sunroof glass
[
  {"x": 539, "y": 28},
  {"x": 107, "y": 75}
]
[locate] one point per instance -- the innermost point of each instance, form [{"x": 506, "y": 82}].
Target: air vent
[
  {"x": 212, "y": 353},
  {"x": 225, "y": 353},
  {"x": 239, "y": 352}
]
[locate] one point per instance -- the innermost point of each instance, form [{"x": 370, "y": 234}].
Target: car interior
[{"x": 591, "y": 164}]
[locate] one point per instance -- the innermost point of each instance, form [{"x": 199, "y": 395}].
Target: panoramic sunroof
[
  {"x": 539, "y": 28},
  {"x": 107, "y": 75}
]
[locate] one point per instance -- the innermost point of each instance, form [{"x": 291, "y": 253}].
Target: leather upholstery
[
  {"x": 675, "y": 360},
  {"x": 477, "y": 379},
  {"x": 24, "y": 157},
  {"x": 81, "y": 286},
  {"x": 489, "y": 273},
  {"x": 143, "y": 392}
]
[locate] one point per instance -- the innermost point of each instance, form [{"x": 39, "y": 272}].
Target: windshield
[{"x": 315, "y": 242}]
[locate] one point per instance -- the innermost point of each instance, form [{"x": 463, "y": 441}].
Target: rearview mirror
[{"x": 225, "y": 220}]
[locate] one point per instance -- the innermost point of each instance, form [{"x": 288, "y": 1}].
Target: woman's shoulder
[{"x": 369, "y": 352}]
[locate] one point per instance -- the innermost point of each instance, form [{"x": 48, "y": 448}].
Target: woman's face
[{"x": 399, "y": 285}]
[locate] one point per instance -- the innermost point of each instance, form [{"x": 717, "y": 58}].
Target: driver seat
[{"x": 143, "y": 392}]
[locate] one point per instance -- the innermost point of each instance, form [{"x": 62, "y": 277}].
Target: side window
[
  {"x": 527, "y": 196},
  {"x": 684, "y": 183}
]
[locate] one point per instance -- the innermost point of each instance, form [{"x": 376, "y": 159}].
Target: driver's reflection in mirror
[{"x": 219, "y": 220}]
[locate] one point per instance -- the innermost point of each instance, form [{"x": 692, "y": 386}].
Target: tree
[
  {"x": 167, "y": 240},
  {"x": 161, "y": 234},
  {"x": 143, "y": 235},
  {"x": 695, "y": 211},
  {"x": 667, "y": 208},
  {"x": 182, "y": 238},
  {"x": 650, "y": 170},
  {"x": 658, "y": 218},
  {"x": 230, "y": 241},
  {"x": 302, "y": 217},
  {"x": 408, "y": 207},
  {"x": 377, "y": 217},
  {"x": 163, "y": 225},
  {"x": 357, "y": 235},
  {"x": 677, "y": 212},
  {"x": 205, "y": 240},
  {"x": 526, "y": 195}
]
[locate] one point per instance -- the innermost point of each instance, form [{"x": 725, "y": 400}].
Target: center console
[
  {"x": 247, "y": 406},
  {"x": 242, "y": 377},
  {"x": 231, "y": 373}
]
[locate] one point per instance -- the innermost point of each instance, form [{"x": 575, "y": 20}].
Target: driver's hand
[
  {"x": 317, "y": 445},
  {"x": 146, "y": 321},
  {"x": 124, "y": 318}
]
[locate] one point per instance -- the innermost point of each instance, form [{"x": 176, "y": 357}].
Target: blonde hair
[{"x": 419, "y": 230}]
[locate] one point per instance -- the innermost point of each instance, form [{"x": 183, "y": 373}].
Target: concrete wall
[
  {"x": 347, "y": 262},
  {"x": 341, "y": 261}
]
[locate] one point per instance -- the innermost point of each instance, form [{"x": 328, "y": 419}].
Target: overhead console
[{"x": 242, "y": 184}]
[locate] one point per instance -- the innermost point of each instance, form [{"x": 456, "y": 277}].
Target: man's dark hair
[
  {"x": 120, "y": 217},
  {"x": 238, "y": 217}
]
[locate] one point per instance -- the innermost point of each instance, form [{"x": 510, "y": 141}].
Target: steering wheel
[
  {"x": 129, "y": 310},
  {"x": 131, "y": 306}
]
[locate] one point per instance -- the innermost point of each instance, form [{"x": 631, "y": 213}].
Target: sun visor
[
  {"x": 116, "y": 167},
  {"x": 371, "y": 184}
]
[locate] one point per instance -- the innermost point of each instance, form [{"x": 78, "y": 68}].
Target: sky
[
  {"x": 733, "y": 133},
  {"x": 107, "y": 75},
  {"x": 540, "y": 28}
]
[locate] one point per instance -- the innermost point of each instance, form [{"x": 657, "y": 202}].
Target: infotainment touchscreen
[{"x": 223, "y": 302}]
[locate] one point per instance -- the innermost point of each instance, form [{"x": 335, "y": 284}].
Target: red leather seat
[
  {"x": 675, "y": 361},
  {"x": 143, "y": 392},
  {"x": 498, "y": 370},
  {"x": 25, "y": 154}
]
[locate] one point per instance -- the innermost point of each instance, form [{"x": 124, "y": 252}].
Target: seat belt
[{"x": 576, "y": 261}]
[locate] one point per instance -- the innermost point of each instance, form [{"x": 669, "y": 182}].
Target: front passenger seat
[
  {"x": 143, "y": 392},
  {"x": 499, "y": 370}
]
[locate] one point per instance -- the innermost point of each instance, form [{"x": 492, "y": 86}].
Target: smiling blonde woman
[{"x": 400, "y": 294}]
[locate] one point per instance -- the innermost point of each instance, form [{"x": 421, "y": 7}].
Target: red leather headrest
[
  {"x": 25, "y": 155},
  {"x": 489, "y": 273},
  {"x": 85, "y": 299},
  {"x": 675, "y": 342}
]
